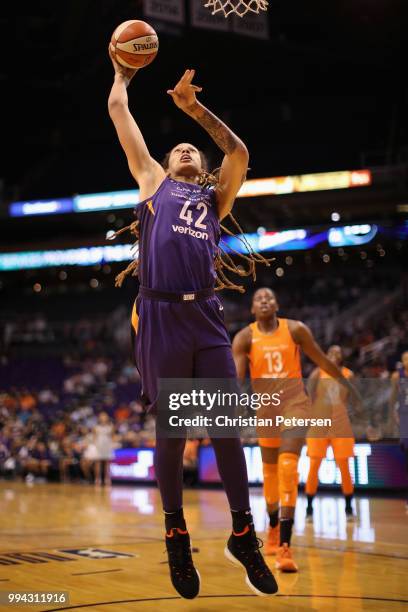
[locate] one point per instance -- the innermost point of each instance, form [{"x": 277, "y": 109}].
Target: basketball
[{"x": 135, "y": 44}]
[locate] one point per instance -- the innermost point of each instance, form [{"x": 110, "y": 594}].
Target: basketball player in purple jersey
[{"x": 180, "y": 331}]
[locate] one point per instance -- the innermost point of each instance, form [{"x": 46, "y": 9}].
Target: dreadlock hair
[{"x": 223, "y": 260}]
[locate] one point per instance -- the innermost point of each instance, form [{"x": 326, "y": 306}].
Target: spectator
[
  {"x": 103, "y": 436},
  {"x": 122, "y": 413},
  {"x": 38, "y": 461},
  {"x": 89, "y": 456}
]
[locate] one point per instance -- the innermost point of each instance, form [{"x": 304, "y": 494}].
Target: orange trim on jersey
[
  {"x": 149, "y": 205},
  {"x": 135, "y": 318},
  {"x": 274, "y": 355},
  {"x": 331, "y": 397}
]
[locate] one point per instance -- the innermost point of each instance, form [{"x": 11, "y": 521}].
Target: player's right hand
[
  {"x": 184, "y": 93},
  {"x": 127, "y": 73}
]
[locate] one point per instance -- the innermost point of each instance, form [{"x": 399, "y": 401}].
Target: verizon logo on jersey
[{"x": 181, "y": 229}]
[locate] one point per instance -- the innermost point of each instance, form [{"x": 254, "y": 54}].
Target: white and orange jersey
[
  {"x": 274, "y": 355},
  {"x": 330, "y": 391},
  {"x": 338, "y": 392}
]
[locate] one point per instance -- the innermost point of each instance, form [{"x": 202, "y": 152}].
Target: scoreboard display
[{"x": 374, "y": 466}]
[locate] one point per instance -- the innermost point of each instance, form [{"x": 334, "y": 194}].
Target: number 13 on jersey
[{"x": 274, "y": 362}]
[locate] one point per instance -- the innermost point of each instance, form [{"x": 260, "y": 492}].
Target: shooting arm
[
  {"x": 235, "y": 163},
  {"x": 146, "y": 171}
]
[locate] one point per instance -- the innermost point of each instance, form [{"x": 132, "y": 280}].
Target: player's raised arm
[
  {"x": 235, "y": 164},
  {"x": 146, "y": 171},
  {"x": 240, "y": 348}
]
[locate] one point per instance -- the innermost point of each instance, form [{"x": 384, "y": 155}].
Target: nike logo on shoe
[
  {"x": 241, "y": 533},
  {"x": 180, "y": 531}
]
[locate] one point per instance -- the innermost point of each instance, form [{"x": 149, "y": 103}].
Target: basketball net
[{"x": 239, "y": 7}]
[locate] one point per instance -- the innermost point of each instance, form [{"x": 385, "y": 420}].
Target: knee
[
  {"x": 287, "y": 472},
  {"x": 269, "y": 455},
  {"x": 270, "y": 470}
]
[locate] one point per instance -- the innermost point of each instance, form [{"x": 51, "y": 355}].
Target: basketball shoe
[
  {"x": 350, "y": 517},
  {"x": 243, "y": 549},
  {"x": 348, "y": 509},
  {"x": 272, "y": 541},
  {"x": 183, "y": 574},
  {"x": 284, "y": 560}
]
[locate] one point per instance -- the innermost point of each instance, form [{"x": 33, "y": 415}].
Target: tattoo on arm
[{"x": 219, "y": 132}]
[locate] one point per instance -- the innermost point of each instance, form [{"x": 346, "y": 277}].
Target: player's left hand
[
  {"x": 184, "y": 93},
  {"x": 126, "y": 73}
]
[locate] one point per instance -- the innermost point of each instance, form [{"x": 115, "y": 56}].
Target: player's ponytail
[
  {"x": 133, "y": 267},
  {"x": 208, "y": 179},
  {"x": 224, "y": 261}
]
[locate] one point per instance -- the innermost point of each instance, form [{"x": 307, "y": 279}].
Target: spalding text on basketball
[{"x": 144, "y": 47}]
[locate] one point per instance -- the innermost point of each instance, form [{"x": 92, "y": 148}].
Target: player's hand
[
  {"x": 184, "y": 93},
  {"x": 126, "y": 73}
]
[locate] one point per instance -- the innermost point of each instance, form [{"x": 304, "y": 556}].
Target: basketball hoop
[{"x": 239, "y": 7}]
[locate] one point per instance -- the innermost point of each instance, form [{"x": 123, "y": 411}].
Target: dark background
[{"x": 328, "y": 91}]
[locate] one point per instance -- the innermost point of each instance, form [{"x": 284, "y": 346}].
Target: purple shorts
[{"x": 180, "y": 340}]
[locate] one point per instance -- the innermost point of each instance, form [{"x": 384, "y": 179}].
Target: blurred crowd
[
  {"x": 70, "y": 395},
  {"x": 51, "y": 432}
]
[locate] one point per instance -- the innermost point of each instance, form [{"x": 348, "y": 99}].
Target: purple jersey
[{"x": 179, "y": 233}]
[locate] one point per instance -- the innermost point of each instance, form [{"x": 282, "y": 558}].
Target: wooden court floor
[{"x": 105, "y": 547}]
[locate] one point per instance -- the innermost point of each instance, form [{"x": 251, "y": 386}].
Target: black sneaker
[
  {"x": 350, "y": 517},
  {"x": 244, "y": 550},
  {"x": 309, "y": 514},
  {"x": 183, "y": 574}
]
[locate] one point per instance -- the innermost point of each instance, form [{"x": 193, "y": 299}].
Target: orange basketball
[{"x": 135, "y": 44}]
